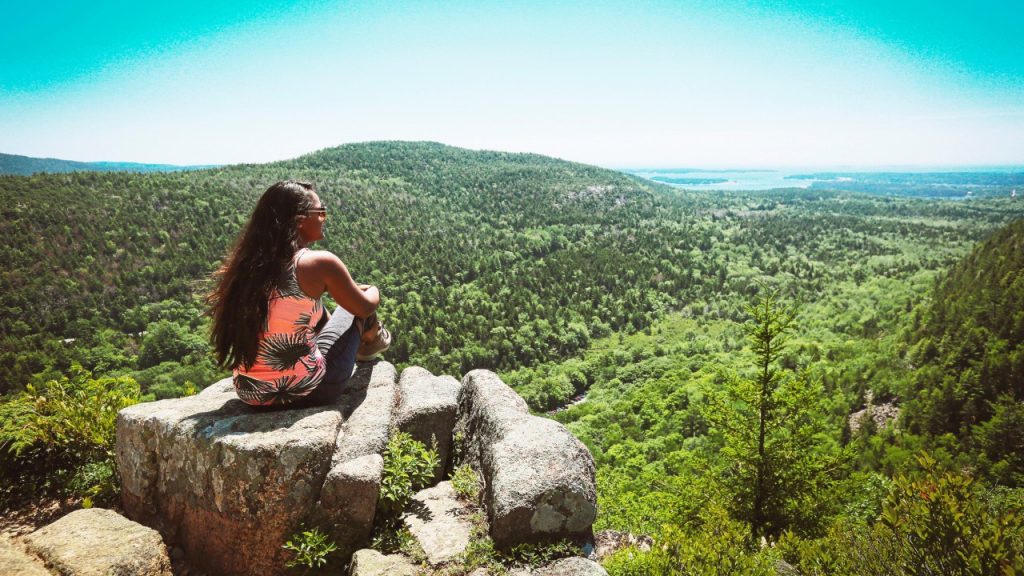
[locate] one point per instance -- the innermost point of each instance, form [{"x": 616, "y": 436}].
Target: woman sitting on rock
[{"x": 269, "y": 324}]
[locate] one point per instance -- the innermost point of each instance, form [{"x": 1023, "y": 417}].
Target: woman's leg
[
  {"x": 338, "y": 342},
  {"x": 331, "y": 332},
  {"x": 370, "y": 328}
]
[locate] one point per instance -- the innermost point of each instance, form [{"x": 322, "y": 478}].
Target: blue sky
[{"x": 703, "y": 84}]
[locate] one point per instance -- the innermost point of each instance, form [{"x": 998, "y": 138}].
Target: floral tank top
[{"x": 288, "y": 365}]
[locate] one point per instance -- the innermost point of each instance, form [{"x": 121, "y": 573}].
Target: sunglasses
[{"x": 318, "y": 212}]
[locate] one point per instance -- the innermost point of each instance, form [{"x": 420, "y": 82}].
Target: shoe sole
[
  {"x": 375, "y": 355},
  {"x": 387, "y": 345}
]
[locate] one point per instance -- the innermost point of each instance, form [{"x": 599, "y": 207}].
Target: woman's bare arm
[{"x": 320, "y": 270}]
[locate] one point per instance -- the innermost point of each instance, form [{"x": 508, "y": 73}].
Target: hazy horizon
[{"x": 707, "y": 169}]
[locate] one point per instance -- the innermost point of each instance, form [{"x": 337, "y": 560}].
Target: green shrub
[
  {"x": 719, "y": 547},
  {"x": 74, "y": 415},
  {"x": 940, "y": 523},
  {"x": 481, "y": 550},
  {"x": 865, "y": 493},
  {"x": 936, "y": 523},
  {"x": 846, "y": 549},
  {"x": 408, "y": 466},
  {"x": 466, "y": 483},
  {"x": 310, "y": 549},
  {"x": 390, "y": 537},
  {"x": 61, "y": 434},
  {"x": 96, "y": 482},
  {"x": 534, "y": 555}
]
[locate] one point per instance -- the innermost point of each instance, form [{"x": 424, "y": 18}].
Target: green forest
[{"x": 824, "y": 380}]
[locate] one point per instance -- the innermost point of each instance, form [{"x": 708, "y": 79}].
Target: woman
[{"x": 269, "y": 324}]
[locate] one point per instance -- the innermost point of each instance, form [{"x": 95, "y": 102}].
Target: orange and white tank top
[{"x": 288, "y": 365}]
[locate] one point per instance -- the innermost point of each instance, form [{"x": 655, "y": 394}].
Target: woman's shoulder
[
  {"x": 317, "y": 258},
  {"x": 316, "y": 269}
]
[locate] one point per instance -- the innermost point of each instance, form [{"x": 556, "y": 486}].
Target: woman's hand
[{"x": 371, "y": 292}]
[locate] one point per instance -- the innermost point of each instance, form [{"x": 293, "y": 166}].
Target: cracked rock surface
[
  {"x": 17, "y": 562},
  {"x": 428, "y": 403},
  {"x": 99, "y": 542},
  {"x": 440, "y": 523}
]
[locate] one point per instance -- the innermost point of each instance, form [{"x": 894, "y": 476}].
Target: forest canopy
[{"x": 620, "y": 306}]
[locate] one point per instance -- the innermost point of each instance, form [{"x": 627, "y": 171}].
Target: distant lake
[
  {"x": 725, "y": 179},
  {"x": 951, "y": 183}
]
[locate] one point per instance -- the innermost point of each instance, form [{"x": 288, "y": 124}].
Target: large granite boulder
[
  {"x": 487, "y": 408},
  {"x": 538, "y": 478},
  {"x": 230, "y": 484},
  {"x": 368, "y": 407},
  {"x": 99, "y": 542},
  {"x": 427, "y": 410}
]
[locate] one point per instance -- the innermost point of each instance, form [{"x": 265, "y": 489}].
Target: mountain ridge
[
  {"x": 18, "y": 165},
  {"x": 430, "y": 222}
]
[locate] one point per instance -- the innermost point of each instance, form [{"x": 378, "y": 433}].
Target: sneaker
[{"x": 370, "y": 350}]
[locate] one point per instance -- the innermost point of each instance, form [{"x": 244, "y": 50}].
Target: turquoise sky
[{"x": 706, "y": 84}]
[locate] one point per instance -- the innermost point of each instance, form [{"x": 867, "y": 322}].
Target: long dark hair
[{"x": 251, "y": 270}]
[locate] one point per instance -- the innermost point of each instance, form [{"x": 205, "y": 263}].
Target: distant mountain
[{"x": 26, "y": 166}]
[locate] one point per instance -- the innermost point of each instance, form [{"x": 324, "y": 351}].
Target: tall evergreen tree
[{"x": 774, "y": 461}]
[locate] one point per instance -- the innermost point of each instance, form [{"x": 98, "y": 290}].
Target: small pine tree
[{"x": 772, "y": 462}]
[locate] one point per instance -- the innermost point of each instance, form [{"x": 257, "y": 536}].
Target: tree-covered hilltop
[
  {"x": 969, "y": 353},
  {"x": 485, "y": 259}
]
